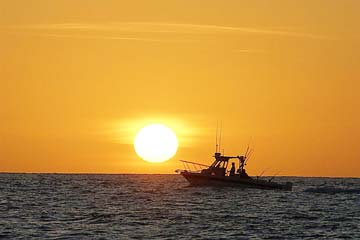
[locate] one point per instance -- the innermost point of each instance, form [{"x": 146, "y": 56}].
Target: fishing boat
[{"x": 217, "y": 174}]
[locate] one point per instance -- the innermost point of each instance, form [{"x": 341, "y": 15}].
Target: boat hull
[{"x": 199, "y": 179}]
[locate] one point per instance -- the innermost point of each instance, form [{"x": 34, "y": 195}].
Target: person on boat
[{"x": 232, "y": 170}]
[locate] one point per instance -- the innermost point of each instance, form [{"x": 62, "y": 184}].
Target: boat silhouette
[{"x": 217, "y": 173}]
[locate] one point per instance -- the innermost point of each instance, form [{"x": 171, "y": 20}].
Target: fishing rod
[
  {"x": 263, "y": 172},
  {"x": 274, "y": 176}
]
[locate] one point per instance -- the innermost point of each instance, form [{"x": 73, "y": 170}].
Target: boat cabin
[{"x": 220, "y": 164}]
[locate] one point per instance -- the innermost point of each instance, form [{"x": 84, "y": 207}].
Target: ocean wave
[
  {"x": 164, "y": 207},
  {"x": 333, "y": 190}
]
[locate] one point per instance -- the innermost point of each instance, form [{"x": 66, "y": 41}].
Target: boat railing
[{"x": 193, "y": 166}]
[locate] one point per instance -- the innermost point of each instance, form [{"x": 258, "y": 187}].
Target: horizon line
[{"x": 99, "y": 173}]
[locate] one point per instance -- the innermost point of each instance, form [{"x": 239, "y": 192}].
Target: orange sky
[{"x": 79, "y": 78}]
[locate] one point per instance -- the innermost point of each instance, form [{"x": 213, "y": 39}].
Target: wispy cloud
[
  {"x": 90, "y": 36},
  {"x": 249, "y": 51},
  {"x": 158, "y": 27},
  {"x": 218, "y": 28},
  {"x": 78, "y": 36}
]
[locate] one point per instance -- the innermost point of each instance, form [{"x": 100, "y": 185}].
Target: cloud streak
[
  {"x": 104, "y": 37},
  {"x": 167, "y": 28}
]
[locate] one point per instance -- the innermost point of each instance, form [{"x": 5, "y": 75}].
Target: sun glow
[{"x": 156, "y": 143}]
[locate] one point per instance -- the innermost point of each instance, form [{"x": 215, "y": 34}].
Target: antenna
[
  {"x": 216, "y": 140},
  {"x": 220, "y": 136}
]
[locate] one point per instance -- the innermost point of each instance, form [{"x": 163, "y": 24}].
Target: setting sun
[{"x": 156, "y": 143}]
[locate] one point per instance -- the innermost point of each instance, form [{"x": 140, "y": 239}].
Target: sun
[{"x": 156, "y": 143}]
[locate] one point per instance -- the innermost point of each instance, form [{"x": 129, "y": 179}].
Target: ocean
[{"x": 94, "y": 206}]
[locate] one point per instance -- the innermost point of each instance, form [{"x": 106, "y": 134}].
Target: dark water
[{"x": 162, "y": 206}]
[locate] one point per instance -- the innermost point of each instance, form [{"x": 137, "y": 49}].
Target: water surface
[{"x": 164, "y": 207}]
